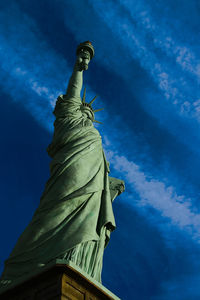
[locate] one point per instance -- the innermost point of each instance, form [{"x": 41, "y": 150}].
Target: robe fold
[{"x": 75, "y": 217}]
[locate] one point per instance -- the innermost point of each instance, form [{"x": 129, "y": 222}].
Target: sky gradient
[{"x": 146, "y": 71}]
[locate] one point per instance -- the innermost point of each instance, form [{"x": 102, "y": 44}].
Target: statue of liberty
[{"x": 75, "y": 216}]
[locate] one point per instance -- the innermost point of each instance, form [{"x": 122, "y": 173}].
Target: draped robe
[{"x": 75, "y": 217}]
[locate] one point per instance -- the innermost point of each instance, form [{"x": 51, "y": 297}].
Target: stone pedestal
[{"x": 57, "y": 281}]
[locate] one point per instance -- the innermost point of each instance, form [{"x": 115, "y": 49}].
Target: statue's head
[{"x": 87, "y": 109}]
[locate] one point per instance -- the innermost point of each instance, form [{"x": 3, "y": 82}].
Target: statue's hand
[{"x": 83, "y": 59}]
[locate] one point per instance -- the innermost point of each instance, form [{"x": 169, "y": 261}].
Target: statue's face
[{"x": 86, "y": 111}]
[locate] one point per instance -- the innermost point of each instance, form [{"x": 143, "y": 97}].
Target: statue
[{"x": 75, "y": 217}]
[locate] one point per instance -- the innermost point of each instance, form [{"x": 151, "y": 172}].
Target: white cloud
[
  {"x": 133, "y": 33},
  {"x": 29, "y": 62},
  {"x": 154, "y": 193}
]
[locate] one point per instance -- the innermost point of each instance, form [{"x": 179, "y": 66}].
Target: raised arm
[{"x": 85, "y": 52}]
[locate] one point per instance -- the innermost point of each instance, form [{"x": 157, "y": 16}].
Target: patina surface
[{"x": 75, "y": 216}]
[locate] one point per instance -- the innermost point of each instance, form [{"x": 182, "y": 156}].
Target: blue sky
[{"x": 146, "y": 71}]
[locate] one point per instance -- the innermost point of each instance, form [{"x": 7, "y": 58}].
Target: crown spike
[
  {"x": 84, "y": 93},
  {"x": 92, "y": 100},
  {"x": 97, "y": 122},
  {"x": 96, "y": 110}
]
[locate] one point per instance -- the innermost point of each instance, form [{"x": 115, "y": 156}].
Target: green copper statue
[{"x": 75, "y": 216}]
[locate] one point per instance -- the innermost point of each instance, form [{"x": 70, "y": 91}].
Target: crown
[{"x": 89, "y": 105}]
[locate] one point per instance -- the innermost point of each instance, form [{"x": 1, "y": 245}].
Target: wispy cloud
[
  {"x": 154, "y": 193},
  {"x": 29, "y": 65},
  {"x": 163, "y": 36},
  {"x": 136, "y": 32},
  {"x": 173, "y": 46}
]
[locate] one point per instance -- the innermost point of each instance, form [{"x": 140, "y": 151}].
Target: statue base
[{"x": 58, "y": 280}]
